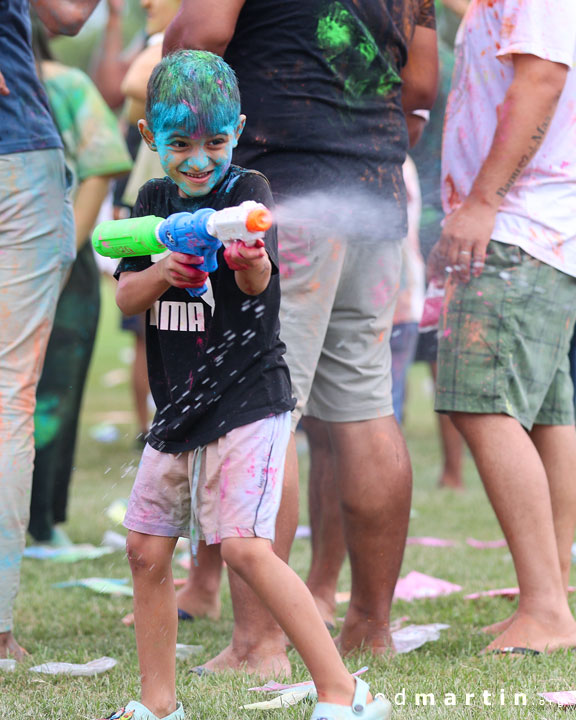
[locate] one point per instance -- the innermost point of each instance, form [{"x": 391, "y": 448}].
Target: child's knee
[
  {"x": 148, "y": 552},
  {"x": 244, "y": 552}
]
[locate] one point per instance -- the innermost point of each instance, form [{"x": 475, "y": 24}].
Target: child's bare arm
[
  {"x": 251, "y": 265},
  {"x": 137, "y": 291}
]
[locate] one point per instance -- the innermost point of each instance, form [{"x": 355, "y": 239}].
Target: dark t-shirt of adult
[
  {"x": 25, "y": 119},
  {"x": 321, "y": 89},
  {"x": 215, "y": 362}
]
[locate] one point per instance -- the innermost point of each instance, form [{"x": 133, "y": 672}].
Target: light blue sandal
[
  {"x": 379, "y": 709},
  {"x": 136, "y": 711}
]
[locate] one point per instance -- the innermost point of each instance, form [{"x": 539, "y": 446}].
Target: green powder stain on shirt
[
  {"x": 334, "y": 31},
  {"x": 387, "y": 80},
  {"x": 353, "y": 54}
]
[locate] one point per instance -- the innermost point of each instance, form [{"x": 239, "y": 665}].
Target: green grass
[{"x": 75, "y": 625}]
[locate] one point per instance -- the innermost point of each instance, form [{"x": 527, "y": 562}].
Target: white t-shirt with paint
[{"x": 539, "y": 211}]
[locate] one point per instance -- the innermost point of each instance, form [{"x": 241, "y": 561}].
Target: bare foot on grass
[
  {"x": 498, "y": 627},
  {"x": 451, "y": 482},
  {"x": 255, "y": 662},
  {"x": 326, "y": 610},
  {"x": 361, "y": 635},
  {"x": 194, "y": 604},
  {"x": 553, "y": 633},
  {"x": 199, "y": 604},
  {"x": 10, "y": 648}
]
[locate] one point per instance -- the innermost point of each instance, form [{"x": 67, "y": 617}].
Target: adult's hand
[
  {"x": 461, "y": 250},
  {"x": 524, "y": 117}
]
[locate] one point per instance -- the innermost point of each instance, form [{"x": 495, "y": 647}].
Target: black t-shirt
[
  {"x": 321, "y": 89},
  {"x": 215, "y": 362}
]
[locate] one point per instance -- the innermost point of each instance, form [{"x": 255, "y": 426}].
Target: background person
[
  {"x": 509, "y": 239},
  {"x": 323, "y": 85},
  {"x": 95, "y": 152},
  {"x": 37, "y": 247},
  {"x": 427, "y": 154}
]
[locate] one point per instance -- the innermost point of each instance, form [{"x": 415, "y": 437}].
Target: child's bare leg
[
  {"x": 200, "y": 597},
  {"x": 258, "y": 644},
  {"x": 291, "y": 603},
  {"x": 156, "y": 621}
]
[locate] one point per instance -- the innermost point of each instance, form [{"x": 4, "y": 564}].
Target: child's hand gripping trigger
[{"x": 241, "y": 229}]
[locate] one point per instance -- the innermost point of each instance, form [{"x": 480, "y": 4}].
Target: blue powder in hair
[{"x": 194, "y": 90}]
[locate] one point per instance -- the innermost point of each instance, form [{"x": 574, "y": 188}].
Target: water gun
[{"x": 200, "y": 233}]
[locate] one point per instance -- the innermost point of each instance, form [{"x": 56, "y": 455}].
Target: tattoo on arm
[{"x": 525, "y": 159}]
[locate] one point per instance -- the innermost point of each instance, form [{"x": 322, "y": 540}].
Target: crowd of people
[{"x": 310, "y": 109}]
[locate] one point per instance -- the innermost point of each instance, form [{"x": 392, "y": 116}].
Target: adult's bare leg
[
  {"x": 328, "y": 545},
  {"x": 200, "y": 597},
  {"x": 258, "y": 644},
  {"x": 375, "y": 482},
  {"x": 452, "y": 446},
  {"x": 452, "y": 452},
  {"x": 556, "y": 445},
  {"x": 516, "y": 483}
]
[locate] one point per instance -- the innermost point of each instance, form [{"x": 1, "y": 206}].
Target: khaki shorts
[
  {"x": 504, "y": 339},
  {"x": 336, "y": 312},
  {"x": 232, "y": 487}
]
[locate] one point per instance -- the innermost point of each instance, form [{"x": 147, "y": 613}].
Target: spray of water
[{"x": 355, "y": 216}]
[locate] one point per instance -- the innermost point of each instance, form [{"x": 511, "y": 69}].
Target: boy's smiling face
[{"x": 196, "y": 163}]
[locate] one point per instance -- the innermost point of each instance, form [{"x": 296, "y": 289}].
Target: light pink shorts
[{"x": 229, "y": 488}]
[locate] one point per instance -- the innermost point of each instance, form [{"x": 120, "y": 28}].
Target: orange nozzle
[{"x": 258, "y": 220}]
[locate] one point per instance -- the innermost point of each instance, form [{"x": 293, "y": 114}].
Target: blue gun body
[{"x": 186, "y": 232}]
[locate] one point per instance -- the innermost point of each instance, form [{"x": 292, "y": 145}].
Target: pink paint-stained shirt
[{"x": 539, "y": 211}]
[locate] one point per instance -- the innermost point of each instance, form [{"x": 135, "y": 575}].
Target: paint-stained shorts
[
  {"x": 231, "y": 487},
  {"x": 504, "y": 340},
  {"x": 336, "y": 313}
]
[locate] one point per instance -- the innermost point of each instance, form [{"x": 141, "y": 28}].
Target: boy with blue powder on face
[{"x": 217, "y": 373}]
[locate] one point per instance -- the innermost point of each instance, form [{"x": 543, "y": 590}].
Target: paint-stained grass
[{"x": 76, "y": 626}]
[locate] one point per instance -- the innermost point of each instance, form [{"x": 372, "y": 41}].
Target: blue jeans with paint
[
  {"x": 36, "y": 250},
  {"x": 403, "y": 342}
]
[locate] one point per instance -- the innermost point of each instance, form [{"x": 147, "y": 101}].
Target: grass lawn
[{"x": 76, "y": 625}]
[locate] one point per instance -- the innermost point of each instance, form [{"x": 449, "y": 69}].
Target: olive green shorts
[{"x": 504, "y": 339}]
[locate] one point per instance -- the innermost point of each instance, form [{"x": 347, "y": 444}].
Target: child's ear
[
  {"x": 147, "y": 134},
  {"x": 239, "y": 128}
]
